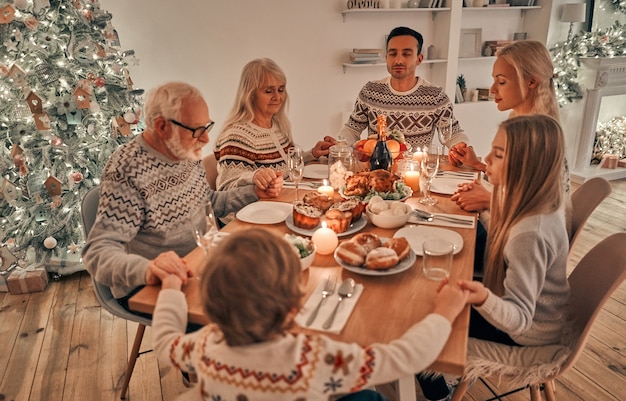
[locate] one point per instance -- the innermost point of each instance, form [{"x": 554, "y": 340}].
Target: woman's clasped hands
[{"x": 472, "y": 197}]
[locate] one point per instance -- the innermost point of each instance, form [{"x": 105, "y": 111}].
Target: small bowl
[
  {"x": 386, "y": 221},
  {"x": 306, "y": 261}
]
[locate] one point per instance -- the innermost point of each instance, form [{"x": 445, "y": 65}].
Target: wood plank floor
[{"x": 60, "y": 345}]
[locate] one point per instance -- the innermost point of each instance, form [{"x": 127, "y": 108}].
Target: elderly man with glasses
[{"x": 153, "y": 191}]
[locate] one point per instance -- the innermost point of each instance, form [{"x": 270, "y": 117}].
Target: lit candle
[
  {"x": 325, "y": 240},
  {"x": 418, "y": 155},
  {"x": 327, "y": 189},
  {"x": 412, "y": 179}
]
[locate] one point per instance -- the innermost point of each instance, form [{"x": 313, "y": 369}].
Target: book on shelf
[
  {"x": 367, "y": 51},
  {"x": 522, "y": 3},
  {"x": 354, "y": 57},
  {"x": 499, "y": 5}
]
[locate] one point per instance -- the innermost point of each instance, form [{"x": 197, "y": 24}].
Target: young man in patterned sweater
[
  {"x": 153, "y": 191},
  {"x": 412, "y": 105}
]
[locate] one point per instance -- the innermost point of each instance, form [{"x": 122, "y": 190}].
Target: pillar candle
[
  {"x": 418, "y": 155},
  {"x": 327, "y": 189},
  {"x": 325, "y": 240},
  {"x": 412, "y": 179}
]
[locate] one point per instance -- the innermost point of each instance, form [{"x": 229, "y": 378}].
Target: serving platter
[
  {"x": 403, "y": 265},
  {"x": 354, "y": 228}
]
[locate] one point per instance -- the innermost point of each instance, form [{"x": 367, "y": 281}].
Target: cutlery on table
[
  {"x": 346, "y": 289},
  {"x": 329, "y": 289},
  {"x": 456, "y": 174},
  {"x": 421, "y": 214},
  {"x": 311, "y": 184}
]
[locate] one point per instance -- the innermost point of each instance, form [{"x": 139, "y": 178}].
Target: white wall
[{"x": 207, "y": 42}]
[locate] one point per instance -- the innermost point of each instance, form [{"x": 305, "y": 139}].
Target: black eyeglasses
[{"x": 195, "y": 132}]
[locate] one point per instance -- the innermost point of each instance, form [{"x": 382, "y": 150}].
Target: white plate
[
  {"x": 447, "y": 185},
  {"x": 416, "y": 235},
  {"x": 317, "y": 171},
  {"x": 265, "y": 212},
  {"x": 353, "y": 229},
  {"x": 404, "y": 264}
]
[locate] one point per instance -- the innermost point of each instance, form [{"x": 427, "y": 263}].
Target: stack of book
[
  {"x": 496, "y": 45},
  {"x": 366, "y": 56}
]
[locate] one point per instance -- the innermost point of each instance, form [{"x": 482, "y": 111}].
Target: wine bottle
[{"x": 381, "y": 156}]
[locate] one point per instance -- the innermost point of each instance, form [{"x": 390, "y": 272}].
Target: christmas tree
[{"x": 66, "y": 102}]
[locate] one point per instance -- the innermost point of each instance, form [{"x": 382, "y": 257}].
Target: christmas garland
[
  {"x": 608, "y": 42},
  {"x": 619, "y": 5}
]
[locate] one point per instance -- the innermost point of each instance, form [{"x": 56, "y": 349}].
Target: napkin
[
  {"x": 439, "y": 222},
  {"x": 343, "y": 313}
]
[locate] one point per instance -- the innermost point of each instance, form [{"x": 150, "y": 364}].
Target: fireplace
[{"x": 605, "y": 81}]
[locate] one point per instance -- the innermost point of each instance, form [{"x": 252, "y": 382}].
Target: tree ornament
[
  {"x": 7, "y": 13},
  {"x": 99, "y": 82},
  {"x": 20, "y": 4},
  {"x": 77, "y": 176},
  {"x": 50, "y": 243},
  {"x": 129, "y": 117},
  {"x": 56, "y": 141}
]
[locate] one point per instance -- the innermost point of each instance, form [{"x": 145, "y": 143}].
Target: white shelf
[
  {"x": 482, "y": 9},
  {"x": 434, "y": 11},
  {"x": 482, "y": 58},
  {"x": 370, "y": 65}
]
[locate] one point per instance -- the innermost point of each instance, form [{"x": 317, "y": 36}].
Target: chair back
[
  {"x": 598, "y": 274},
  {"x": 89, "y": 209},
  {"x": 585, "y": 200},
  {"x": 210, "y": 166}
]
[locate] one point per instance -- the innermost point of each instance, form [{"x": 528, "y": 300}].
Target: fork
[{"x": 329, "y": 289}]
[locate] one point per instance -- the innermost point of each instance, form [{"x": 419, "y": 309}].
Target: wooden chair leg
[
  {"x": 134, "y": 353},
  {"x": 548, "y": 388},
  {"x": 460, "y": 390},
  {"x": 535, "y": 392}
]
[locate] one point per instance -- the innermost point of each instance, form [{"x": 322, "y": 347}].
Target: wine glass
[
  {"x": 430, "y": 166},
  {"x": 205, "y": 233},
  {"x": 443, "y": 139},
  {"x": 295, "y": 163}
]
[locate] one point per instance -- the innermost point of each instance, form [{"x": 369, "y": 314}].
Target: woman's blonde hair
[
  {"x": 531, "y": 184},
  {"x": 255, "y": 75},
  {"x": 531, "y": 60},
  {"x": 250, "y": 285}
]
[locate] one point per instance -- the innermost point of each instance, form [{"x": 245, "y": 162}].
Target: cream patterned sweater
[
  {"x": 148, "y": 205},
  {"x": 413, "y": 113},
  {"x": 293, "y": 367}
]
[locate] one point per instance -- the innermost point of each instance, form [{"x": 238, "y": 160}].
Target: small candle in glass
[
  {"x": 326, "y": 189},
  {"x": 325, "y": 240},
  {"x": 412, "y": 178},
  {"x": 418, "y": 155}
]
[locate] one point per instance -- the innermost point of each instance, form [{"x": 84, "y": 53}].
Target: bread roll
[
  {"x": 368, "y": 241},
  {"x": 351, "y": 253},
  {"x": 381, "y": 259},
  {"x": 400, "y": 245}
]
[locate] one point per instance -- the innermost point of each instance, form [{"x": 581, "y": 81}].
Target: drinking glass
[
  {"x": 205, "y": 233},
  {"x": 430, "y": 166},
  {"x": 437, "y": 258},
  {"x": 295, "y": 163},
  {"x": 443, "y": 138}
]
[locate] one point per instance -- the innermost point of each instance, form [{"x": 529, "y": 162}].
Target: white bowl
[
  {"x": 387, "y": 221},
  {"x": 307, "y": 260}
]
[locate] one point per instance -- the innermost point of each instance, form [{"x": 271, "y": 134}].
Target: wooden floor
[{"x": 60, "y": 345}]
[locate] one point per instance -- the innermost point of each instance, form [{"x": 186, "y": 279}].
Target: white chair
[
  {"x": 89, "y": 208},
  {"x": 210, "y": 166},
  {"x": 599, "y": 273},
  {"x": 584, "y": 201}
]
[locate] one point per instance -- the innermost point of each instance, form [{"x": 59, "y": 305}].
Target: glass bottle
[
  {"x": 381, "y": 156},
  {"x": 340, "y": 163}
]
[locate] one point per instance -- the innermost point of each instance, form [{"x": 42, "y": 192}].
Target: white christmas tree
[{"x": 66, "y": 102}]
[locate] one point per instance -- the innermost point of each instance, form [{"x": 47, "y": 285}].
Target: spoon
[
  {"x": 346, "y": 289},
  {"x": 430, "y": 217}
]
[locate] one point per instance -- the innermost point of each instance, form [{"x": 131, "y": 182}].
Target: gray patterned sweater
[
  {"x": 413, "y": 113},
  {"x": 148, "y": 205}
]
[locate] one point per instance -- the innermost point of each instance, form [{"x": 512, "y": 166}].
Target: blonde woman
[
  {"x": 257, "y": 133},
  {"x": 522, "y": 299},
  {"x": 522, "y": 83}
]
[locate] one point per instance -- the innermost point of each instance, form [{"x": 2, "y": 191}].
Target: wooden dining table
[{"x": 388, "y": 306}]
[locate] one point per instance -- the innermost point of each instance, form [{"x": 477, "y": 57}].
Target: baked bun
[
  {"x": 368, "y": 241},
  {"x": 319, "y": 200},
  {"x": 337, "y": 220},
  {"x": 351, "y": 253},
  {"x": 306, "y": 216},
  {"x": 400, "y": 245},
  {"x": 353, "y": 205},
  {"x": 381, "y": 258}
]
